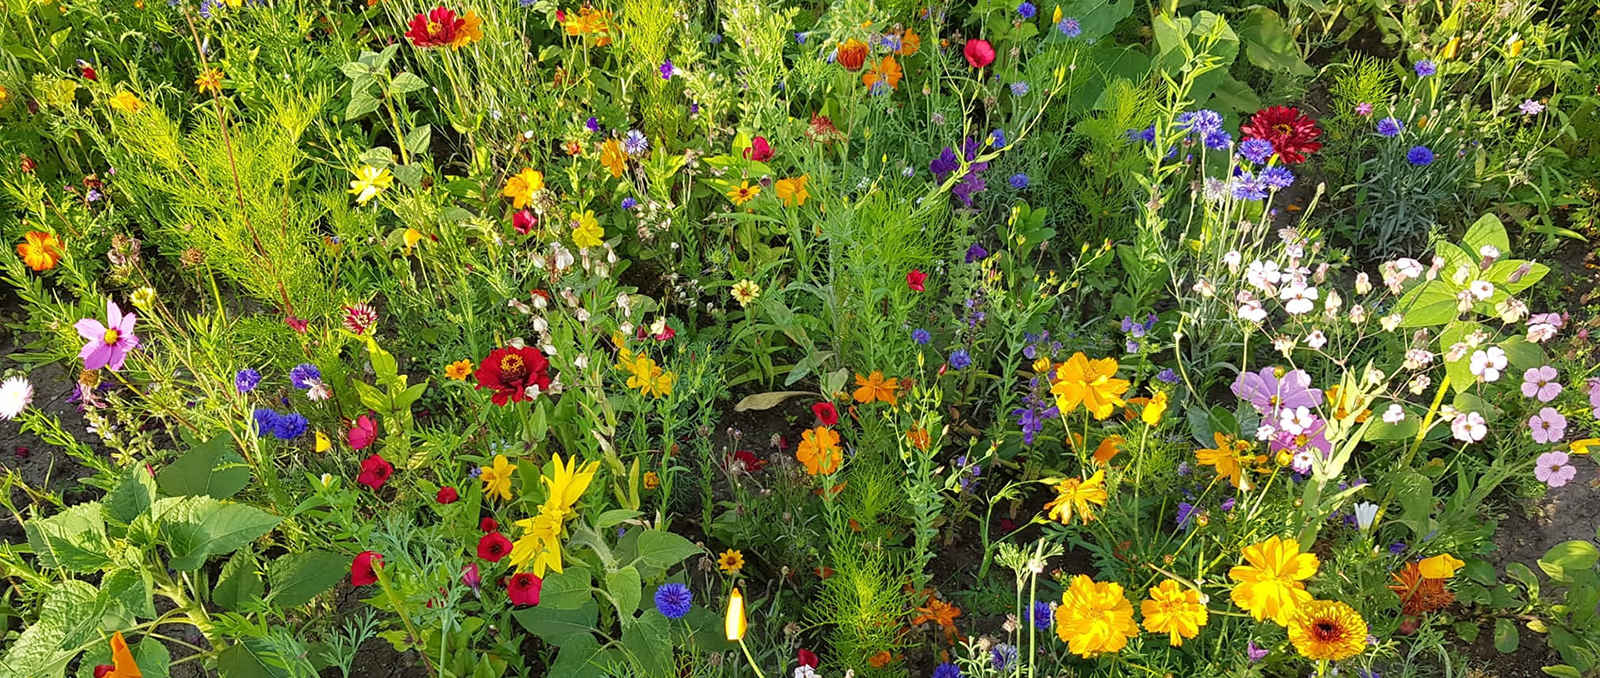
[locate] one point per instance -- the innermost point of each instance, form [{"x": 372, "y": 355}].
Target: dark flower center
[
  {"x": 1283, "y": 128},
  {"x": 1326, "y": 631}
]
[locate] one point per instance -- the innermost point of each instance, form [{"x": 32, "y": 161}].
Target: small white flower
[
  {"x": 1366, "y": 512},
  {"x": 1391, "y": 321},
  {"x": 1316, "y": 339},
  {"x": 1299, "y": 299},
  {"x": 1395, "y": 414},
  {"x": 1488, "y": 363},
  {"x": 581, "y": 362},
  {"x": 1408, "y": 268},
  {"x": 1470, "y": 428},
  {"x": 1481, "y": 289},
  {"x": 1358, "y": 314},
  {"x": 1489, "y": 253},
  {"x": 1539, "y": 333},
  {"x": 1295, "y": 421},
  {"x": 1263, "y": 275},
  {"x": 15, "y": 395},
  {"x": 1265, "y": 432},
  {"x": 319, "y": 392},
  {"x": 1284, "y": 344},
  {"x": 1205, "y": 289},
  {"x": 1511, "y": 310},
  {"x": 1232, "y": 259},
  {"x": 1418, "y": 384},
  {"x": 1363, "y": 283}
]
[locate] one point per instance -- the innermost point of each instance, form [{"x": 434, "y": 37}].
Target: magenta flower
[
  {"x": 1304, "y": 447},
  {"x": 1552, "y": 469},
  {"x": 1540, "y": 382},
  {"x": 1548, "y": 426},
  {"x": 1594, "y": 396},
  {"x": 108, "y": 344},
  {"x": 1272, "y": 389}
]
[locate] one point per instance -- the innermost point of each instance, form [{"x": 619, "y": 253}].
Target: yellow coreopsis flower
[
  {"x": 613, "y": 157},
  {"x": 586, "y": 231},
  {"x": 1073, "y": 497},
  {"x": 209, "y": 80},
  {"x": 458, "y": 370},
  {"x": 745, "y": 291},
  {"x": 792, "y": 191},
  {"x": 743, "y": 193},
  {"x": 471, "y": 30},
  {"x": 1173, "y": 609},
  {"x": 497, "y": 478},
  {"x": 1328, "y": 630},
  {"x": 126, "y": 103},
  {"x": 1442, "y": 566},
  {"x": 1271, "y": 585},
  {"x": 521, "y": 187},
  {"x": 369, "y": 182},
  {"x": 567, "y": 484},
  {"x": 731, "y": 561},
  {"x": 1090, "y": 383},
  {"x": 1094, "y": 617}
]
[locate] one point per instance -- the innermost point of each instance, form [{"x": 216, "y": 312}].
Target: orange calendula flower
[
  {"x": 1174, "y": 609},
  {"x": 1073, "y": 497},
  {"x": 887, "y": 71},
  {"x": 1271, "y": 585},
  {"x": 471, "y": 30},
  {"x": 792, "y": 191},
  {"x": 521, "y": 187},
  {"x": 1090, "y": 383},
  {"x": 939, "y": 612},
  {"x": 613, "y": 157},
  {"x": 819, "y": 450},
  {"x": 1328, "y": 630},
  {"x": 40, "y": 250},
  {"x": 652, "y": 480},
  {"x": 1419, "y": 594},
  {"x": 880, "y": 660},
  {"x": 743, "y": 193},
  {"x": 875, "y": 387},
  {"x": 458, "y": 370}
]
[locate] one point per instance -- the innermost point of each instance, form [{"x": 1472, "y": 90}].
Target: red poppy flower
[
  {"x": 375, "y": 471},
  {"x": 806, "y": 657},
  {"x": 979, "y": 53},
  {"x": 826, "y": 414},
  {"x": 759, "y": 150},
  {"x": 102, "y": 670},
  {"x": 509, "y": 371},
  {"x": 523, "y": 588},
  {"x": 914, "y": 280},
  {"x": 524, "y": 222},
  {"x": 436, "y": 28},
  {"x": 852, "y": 54},
  {"x": 493, "y": 546},
  {"x": 361, "y": 569},
  {"x": 447, "y": 495},
  {"x": 1292, "y": 134},
  {"x": 751, "y": 462},
  {"x": 488, "y": 524},
  {"x": 362, "y": 432}
]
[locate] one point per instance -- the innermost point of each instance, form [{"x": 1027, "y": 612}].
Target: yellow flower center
[
  {"x": 433, "y": 28},
  {"x": 511, "y": 364},
  {"x": 111, "y": 337}
]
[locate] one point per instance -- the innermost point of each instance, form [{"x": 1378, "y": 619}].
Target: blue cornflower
[
  {"x": 1420, "y": 156},
  {"x": 289, "y": 426},
  {"x": 1167, "y": 376},
  {"x": 1019, "y": 89},
  {"x": 246, "y": 380},
  {"x": 1390, "y": 126},
  {"x": 1247, "y": 187},
  {"x": 1255, "y": 149},
  {"x": 960, "y": 359},
  {"x": 207, "y": 6},
  {"x": 673, "y": 600},
  {"x": 592, "y": 123},
  {"x": 266, "y": 420},
  {"x": 1425, "y": 68},
  {"x": 629, "y": 203},
  {"x": 1397, "y": 548},
  {"x": 1043, "y": 615},
  {"x": 1069, "y": 27},
  {"x": 1228, "y": 504},
  {"x": 1018, "y": 181},
  {"x": 947, "y": 670},
  {"x": 921, "y": 336},
  {"x": 1026, "y": 10},
  {"x": 305, "y": 375},
  {"x": 635, "y": 143},
  {"x": 1203, "y": 121},
  {"x": 1003, "y": 656},
  {"x": 799, "y": 38},
  {"x": 1147, "y": 135},
  {"x": 1277, "y": 177},
  {"x": 1218, "y": 140},
  {"x": 998, "y": 137},
  {"x": 976, "y": 253},
  {"x": 526, "y": 3}
]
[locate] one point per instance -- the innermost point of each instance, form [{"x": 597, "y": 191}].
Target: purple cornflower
[
  {"x": 997, "y": 138},
  {"x": 1147, "y": 135},
  {"x": 1390, "y": 126},
  {"x": 1069, "y": 27},
  {"x": 593, "y": 124},
  {"x": 1425, "y": 68},
  {"x": 305, "y": 375},
  {"x": 1255, "y": 150},
  {"x": 1043, "y": 615},
  {"x": 1185, "y": 513},
  {"x": 1247, "y": 187},
  {"x": 1268, "y": 390},
  {"x": 246, "y": 380},
  {"x": 1026, "y": 10},
  {"x": 635, "y": 143},
  {"x": 1202, "y": 122},
  {"x": 1530, "y": 107},
  {"x": 970, "y": 185},
  {"x": 673, "y": 600},
  {"x": 1167, "y": 376},
  {"x": 1018, "y": 181},
  {"x": 289, "y": 426},
  {"x": 266, "y": 420},
  {"x": 1420, "y": 156},
  {"x": 1002, "y": 657},
  {"x": 960, "y": 359},
  {"x": 947, "y": 670},
  {"x": 1218, "y": 140},
  {"x": 1019, "y": 89},
  {"x": 1277, "y": 177},
  {"x": 629, "y": 203},
  {"x": 920, "y": 336}
]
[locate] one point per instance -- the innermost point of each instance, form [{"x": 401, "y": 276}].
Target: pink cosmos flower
[
  {"x": 108, "y": 344},
  {"x": 1548, "y": 426},
  {"x": 1540, "y": 382},
  {"x": 1552, "y": 469}
]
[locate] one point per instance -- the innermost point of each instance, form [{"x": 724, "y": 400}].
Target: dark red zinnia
[
  {"x": 759, "y": 150},
  {"x": 1292, "y": 134},
  {"x": 435, "y": 28},
  {"x": 493, "y": 546},
  {"x": 361, "y": 569},
  {"x": 375, "y": 471},
  {"x": 509, "y": 371},
  {"x": 523, "y": 588}
]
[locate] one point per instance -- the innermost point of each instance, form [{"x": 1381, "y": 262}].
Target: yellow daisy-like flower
[
  {"x": 497, "y": 478},
  {"x": 586, "y": 231},
  {"x": 613, "y": 157},
  {"x": 745, "y": 291},
  {"x": 458, "y": 370},
  {"x": 539, "y": 547},
  {"x": 743, "y": 193},
  {"x": 1073, "y": 497},
  {"x": 471, "y": 30},
  {"x": 1228, "y": 457},
  {"x": 731, "y": 561},
  {"x": 567, "y": 485},
  {"x": 521, "y": 187},
  {"x": 1094, "y": 617},
  {"x": 1090, "y": 383},
  {"x": 875, "y": 387},
  {"x": 1155, "y": 409},
  {"x": 1271, "y": 585},
  {"x": 126, "y": 103},
  {"x": 1442, "y": 566},
  {"x": 792, "y": 191},
  {"x": 209, "y": 80},
  {"x": 1328, "y": 630},
  {"x": 1173, "y": 609},
  {"x": 369, "y": 182}
]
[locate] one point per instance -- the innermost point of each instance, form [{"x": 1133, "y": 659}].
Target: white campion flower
[
  {"x": 1263, "y": 275},
  {"x": 1233, "y": 259},
  {"x": 1298, "y": 299},
  {"x": 1408, "y": 268},
  {"x": 1470, "y": 428},
  {"x": 1391, "y": 321},
  {"x": 1539, "y": 333},
  {"x": 1284, "y": 344},
  {"x": 1481, "y": 289},
  {"x": 1204, "y": 288},
  {"x": 1363, "y": 283},
  {"x": 1418, "y": 384},
  {"x": 1394, "y": 414},
  {"x": 1487, "y": 364},
  {"x": 1252, "y": 311},
  {"x": 1511, "y": 310},
  {"x": 1316, "y": 340},
  {"x": 1358, "y": 314},
  {"x": 1488, "y": 253}
]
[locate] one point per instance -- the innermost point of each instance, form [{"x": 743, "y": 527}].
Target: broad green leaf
[
  {"x": 1416, "y": 501},
  {"x": 561, "y": 627},
  {"x": 1096, "y": 18},
  {"x": 252, "y": 658},
  {"x": 125, "y": 595},
  {"x": 406, "y": 82},
  {"x": 200, "y": 527},
  {"x": 767, "y": 401},
  {"x": 1506, "y": 637},
  {"x": 1561, "y": 671},
  {"x": 205, "y": 470},
  {"x": 1426, "y": 305},
  {"x": 73, "y": 540},
  {"x": 44, "y": 649},
  {"x": 642, "y": 642},
  {"x": 298, "y": 578},
  {"x": 132, "y": 496},
  {"x": 418, "y": 139},
  {"x": 626, "y": 589},
  {"x": 1269, "y": 45},
  {"x": 239, "y": 583},
  {"x": 361, "y": 103},
  {"x": 614, "y": 517},
  {"x": 566, "y": 590},
  {"x": 1487, "y": 230},
  {"x": 1564, "y": 560},
  {"x": 661, "y": 549}
]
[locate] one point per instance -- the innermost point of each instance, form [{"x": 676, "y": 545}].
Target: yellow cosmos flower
[
  {"x": 586, "y": 231},
  {"x": 1094, "y": 617},
  {"x": 1173, "y": 609},
  {"x": 792, "y": 191},
  {"x": 743, "y": 193},
  {"x": 1090, "y": 383},
  {"x": 1229, "y": 458},
  {"x": 567, "y": 485},
  {"x": 521, "y": 187},
  {"x": 1442, "y": 566},
  {"x": 1155, "y": 409},
  {"x": 1073, "y": 497},
  {"x": 1271, "y": 585},
  {"x": 411, "y": 237},
  {"x": 1328, "y": 630},
  {"x": 731, "y": 561},
  {"x": 497, "y": 478},
  {"x": 126, "y": 103},
  {"x": 613, "y": 157},
  {"x": 471, "y": 30},
  {"x": 1582, "y": 446},
  {"x": 369, "y": 182},
  {"x": 876, "y": 387}
]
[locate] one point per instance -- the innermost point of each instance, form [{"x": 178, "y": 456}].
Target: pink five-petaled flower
[
  {"x": 362, "y": 432},
  {"x": 914, "y": 280},
  {"x": 1552, "y": 469},
  {"x": 107, "y": 345},
  {"x": 979, "y": 53},
  {"x": 1540, "y": 383},
  {"x": 375, "y": 471},
  {"x": 363, "y": 570},
  {"x": 1548, "y": 426},
  {"x": 523, "y": 588}
]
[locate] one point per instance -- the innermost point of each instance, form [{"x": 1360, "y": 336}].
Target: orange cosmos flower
[
  {"x": 887, "y": 71},
  {"x": 819, "y": 450},
  {"x": 40, "y": 250},
  {"x": 875, "y": 387}
]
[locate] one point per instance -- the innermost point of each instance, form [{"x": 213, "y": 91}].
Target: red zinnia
[
  {"x": 759, "y": 150},
  {"x": 751, "y": 462},
  {"x": 979, "y": 53},
  {"x": 493, "y": 546},
  {"x": 362, "y": 572},
  {"x": 488, "y": 524},
  {"x": 826, "y": 414},
  {"x": 447, "y": 495},
  {"x": 914, "y": 280},
  {"x": 509, "y": 371},
  {"x": 523, "y": 588},
  {"x": 1292, "y": 134},
  {"x": 436, "y": 28},
  {"x": 375, "y": 471}
]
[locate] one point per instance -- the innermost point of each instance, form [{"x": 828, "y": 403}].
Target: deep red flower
[
  {"x": 826, "y": 414},
  {"x": 751, "y": 462},
  {"x": 759, "y": 150},
  {"x": 295, "y": 323},
  {"x": 979, "y": 53},
  {"x": 666, "y": 333},
  {"x": 1292, "y": 133},
  {"x": 524, "y": 221},
  {"x": 434, "y": 29},
  {"x": 493, "y": 546},
  {"x": 361, "y": 569},
  {"x": 359, "y": 318},
  {"x": 488, "y": 524},
  {"x": 914, "y": 280},
  {"x": 100, "y": 670},
  {"x": 523, "y": 588},
  {"x": 362, "y": 432},
  {"x": 87, "y": 70},
  {"x": 806, "y": 657},
  {"x": 509, "y": 371},
  {"x": 375, "y": 471},
  {"x": 447, "y": 495}
]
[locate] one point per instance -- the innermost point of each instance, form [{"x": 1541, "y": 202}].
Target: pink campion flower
[
  {"x": 1552, "y": 469},
  {"x": 108, "y": 344},
  {"x": 362, "y": 433},
  {"x": 1594, "y": 396},
  {"x": 1540, "y": 382},
  {"x": 1548, "y": 426}
]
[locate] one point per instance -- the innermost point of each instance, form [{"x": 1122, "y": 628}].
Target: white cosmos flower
[
  {"x": 1295, "y": 420},
  {"x": 15, "y": 395}
]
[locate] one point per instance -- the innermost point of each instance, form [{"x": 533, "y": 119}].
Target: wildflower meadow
[{"x": 788, "y": 339}]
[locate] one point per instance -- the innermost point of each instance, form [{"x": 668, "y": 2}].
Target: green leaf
[
  {"x": 126, "y": 596},
  {"x": 361, "y": 103},
  {"x": 614, "y": 517},
  {"x": 1096, "y": 18},
  {"x": 1416, "y": 501},
  {"x": 558, "y": 627},
  {"x": 660, "y": 550},
  {"x": 1506, "y": 637},
  {"x": 1468, "y": 631},
  {"x": 132, "y": 496},
  {"x": 298, "y": 578},
  {"x": 73, "y": 540},
  {"x": 251, "y": 658},
  {"x": 239, "y": 583},
  {"x": 1487, "y": 230},
  {"x": 768, "y": 400},
  {"x": 1564, "y": 560},
  {"x": 642, "y": 643},
  {"x": 626, "y": 589},
  {"x": 1480, "y": 571},
  {"x": 197, "y": 528},
  {"x": 566, "y": 590},
  {"x": 44, "y": 649},
  {"x": 1429, "y": 304},
  {"x": 1268, "y": 44},
  {"x": 206, "y": 469},
  {"x": 1561, "y": 671},
  {"x": 418, "y": 138},
  {"x": 406, "y": 83}
]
